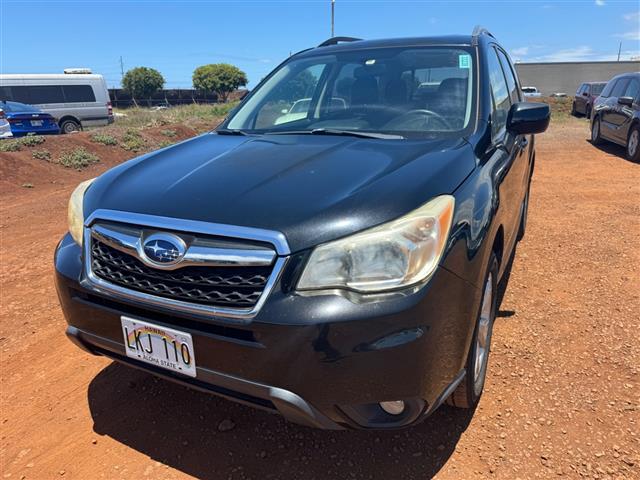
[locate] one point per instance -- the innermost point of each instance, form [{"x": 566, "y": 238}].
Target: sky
[{"x": 175, "y": 37}]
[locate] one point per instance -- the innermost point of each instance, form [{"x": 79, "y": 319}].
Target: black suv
[
  {"x": 337, "y": 262},
  {"x": 616, "y": 114}
]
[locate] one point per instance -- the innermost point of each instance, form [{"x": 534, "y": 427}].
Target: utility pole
[
  {"x": 121, "y": 69},
  {"x": 333, "y": 7},
  {"x": 619, "y": 50}
]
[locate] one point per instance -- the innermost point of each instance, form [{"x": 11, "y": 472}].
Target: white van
[{"x": 76, "y": 100}]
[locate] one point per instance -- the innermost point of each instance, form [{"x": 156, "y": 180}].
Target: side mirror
[
  {"x": 628, "y": 101},
  {"x": 528, "y": 117},
  {"x": 284, "y": 110},
  {"x": 585, "y": 94}
]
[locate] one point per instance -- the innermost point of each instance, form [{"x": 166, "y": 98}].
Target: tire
[
  {"x": 573, "y": 110},
  {"x": 524, "y": 212},
  {"x": 596, "y": 136},
  {"x": 69, "y": 126},
  {"x": 468, "y": 393},
  {"x": 587, "y": 112},
  {"x": 633, "y": 144}
]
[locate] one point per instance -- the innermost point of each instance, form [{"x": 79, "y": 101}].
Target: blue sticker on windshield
[{"x": 464, "y": 61}]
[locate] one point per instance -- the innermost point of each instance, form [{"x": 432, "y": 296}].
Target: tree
[
  {"x": 142, "y": 82},
  {"x": 220, "y": 78}
]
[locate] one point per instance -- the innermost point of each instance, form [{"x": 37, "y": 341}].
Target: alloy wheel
[
  {"x": 483, "y": 338},
  {"x": 632, "y": 144}
]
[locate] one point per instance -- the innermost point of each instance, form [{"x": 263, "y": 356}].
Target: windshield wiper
[
  {"x": 227, "y": 131},
  {"x": 346, "y": 133}
]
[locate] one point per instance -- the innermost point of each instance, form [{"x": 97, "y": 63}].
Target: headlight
[
  {"x": 397, "y": 254},
  {"x": 74, "y": 213}
]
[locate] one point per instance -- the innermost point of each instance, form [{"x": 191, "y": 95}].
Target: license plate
[
  {"x": 36, "y": 123},
  {"x": 159, "y": 346}
]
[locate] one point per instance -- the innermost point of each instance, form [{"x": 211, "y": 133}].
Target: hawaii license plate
[
  {"x": 36, "y": 123},
  {"x": 160, "y": 346}
]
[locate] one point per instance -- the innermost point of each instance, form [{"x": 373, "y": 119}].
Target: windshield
[{"x": 404, "y": 91}]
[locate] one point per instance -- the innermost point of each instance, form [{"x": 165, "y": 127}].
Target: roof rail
[
  {"x": 336, "y": 40},
  {"x": 477, "y": 31}
]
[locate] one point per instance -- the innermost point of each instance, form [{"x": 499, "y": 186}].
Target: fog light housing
[{"x": 395, "y": 407}]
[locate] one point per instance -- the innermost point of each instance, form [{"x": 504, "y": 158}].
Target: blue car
[{"x": 27, "y": 119}]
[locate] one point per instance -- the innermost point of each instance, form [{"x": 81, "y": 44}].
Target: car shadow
[
  {"x": 611, "y": 149},
  {"x": 180, "y": 428}
]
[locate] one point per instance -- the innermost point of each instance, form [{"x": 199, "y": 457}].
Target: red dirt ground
[{"x": 562, "y": 395}]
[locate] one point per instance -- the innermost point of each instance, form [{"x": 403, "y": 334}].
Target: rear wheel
[
  {"x": 69, "y": 126},
  {"x": 470, "y": 389},
  {"x": 573, "y": 109},
  {"x": 633, "y": 144},
  {"x": 587, "y": 111},
  {"x": 595, "y": 132}
]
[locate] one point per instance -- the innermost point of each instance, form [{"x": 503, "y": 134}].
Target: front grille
[{"x": 229, "y": 286}]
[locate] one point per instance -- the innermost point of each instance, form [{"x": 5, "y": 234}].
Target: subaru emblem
[{"x": 164, "y": 249}]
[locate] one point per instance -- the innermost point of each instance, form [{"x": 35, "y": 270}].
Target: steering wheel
[{"x": 416, "y": 116}]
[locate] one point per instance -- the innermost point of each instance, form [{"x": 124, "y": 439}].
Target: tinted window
[
  {"x": 499, "y": 89},
  {"x": 607, "y": 90},
  {"x": 15, "y": 94},
  {"x": 618, "y": 90},
  {"x": 596, "y": 88},
  {"x": 511, "y": 79},
  {"x": 45, "y": 94},
  {"x": 78, "y": 93},
  {"x": 580, "y": 89}
]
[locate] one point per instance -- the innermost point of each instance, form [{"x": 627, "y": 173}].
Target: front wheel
[
  {"x": 573, "y": 109},
  {"x": 596, "y": 138},
  {"x": 633, "y": 144},
  {"x": 470, "y": 389}
]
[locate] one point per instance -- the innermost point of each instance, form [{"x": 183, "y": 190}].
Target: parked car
[
  {"x": 300, "y": 108},
  {"x": 27, "y": 119},
  {"x": 559, "y": 95},
  {"x": 616, "y": 114},
  {"x": 5, "y": 128},
  {"x": 342, "y": 269},
  {"x": 584, "y": 97},
  {"x": 531, "y": 92},
  {"x": 76, "y": 100}
]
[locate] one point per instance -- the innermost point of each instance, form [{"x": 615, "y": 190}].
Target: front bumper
[{"x": 321, "y": 360}]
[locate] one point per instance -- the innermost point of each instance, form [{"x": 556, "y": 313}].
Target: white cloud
[
  {"x": 520, "y": 52},
  {"x": 583, "y": 54},
  {"x": 629, "y": 35},
  {"x": 632, "y": 16},
  {"x": 600, "y": 3}
]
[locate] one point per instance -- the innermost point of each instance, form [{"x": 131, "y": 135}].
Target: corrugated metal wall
[{"x": 567, "y": 76}]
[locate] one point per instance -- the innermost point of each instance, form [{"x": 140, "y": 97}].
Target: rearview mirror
[
  {"x": 628, "y": 101},
  {"x": 528, "y": 117}
]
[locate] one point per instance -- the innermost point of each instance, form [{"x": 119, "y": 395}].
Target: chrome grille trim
[{"x": 214, "y": 257}]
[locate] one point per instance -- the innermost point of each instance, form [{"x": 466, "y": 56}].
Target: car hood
[{"x": 311, "y": 188}]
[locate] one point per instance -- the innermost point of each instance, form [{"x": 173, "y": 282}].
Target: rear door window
[
  {"x": 40, "y": 94},
  {"x": 78, "y": 93}
]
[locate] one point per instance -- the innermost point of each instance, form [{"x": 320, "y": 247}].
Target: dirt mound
[{"x": 21, "y": 173}]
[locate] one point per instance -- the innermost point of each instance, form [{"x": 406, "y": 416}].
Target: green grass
[
  {"x": 133, "y": 141},
  {"x": 169, "y": 133},
  {"x": 104, "y": 139},
  {"x": 10, "y": 146},
  {"x": 41, "y": 155},
  {"x": 15, "y": 145},
  {"x": 31, "y": 140},
  {"x": 145, "y": 117},
  {"x": 78, "y": 158}
]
